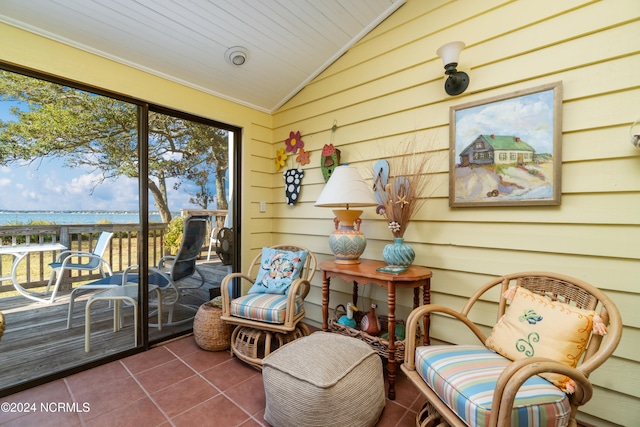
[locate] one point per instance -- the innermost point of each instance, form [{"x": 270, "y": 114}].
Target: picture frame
[{"x": 506, "y": 150}]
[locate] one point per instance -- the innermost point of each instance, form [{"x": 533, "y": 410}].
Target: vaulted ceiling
[{"x": 286, "y": 43}]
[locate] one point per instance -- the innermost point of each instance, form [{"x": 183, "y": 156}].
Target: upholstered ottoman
[{"x": 323, "y": 379}]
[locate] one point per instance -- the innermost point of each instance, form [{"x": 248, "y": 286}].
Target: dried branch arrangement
[{"x": 403, "y": 195}]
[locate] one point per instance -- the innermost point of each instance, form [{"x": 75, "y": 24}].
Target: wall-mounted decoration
[
  {"x": 329, "y": 161},
  {"x": 292, "y": 183},
  {"x": 506, "y": 150},
  {"x": 634, "y": 134},
  {"x": 380, "y": 179},
  {"x": 292, "y": 177},
  {"x": 281, "y": 159}
]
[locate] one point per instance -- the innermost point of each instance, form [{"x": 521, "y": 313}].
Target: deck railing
[{"x": 34, "y": 271}]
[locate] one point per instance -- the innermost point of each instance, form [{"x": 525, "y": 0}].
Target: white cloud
[{"x": 529, "y": 117}]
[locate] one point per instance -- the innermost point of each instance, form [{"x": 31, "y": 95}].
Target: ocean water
[{"x": 8, "y": 217}]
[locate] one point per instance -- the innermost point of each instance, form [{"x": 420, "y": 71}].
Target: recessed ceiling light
[{"x": 236, "y": 55}]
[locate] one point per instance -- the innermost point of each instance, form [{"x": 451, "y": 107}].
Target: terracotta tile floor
[{"x": 177, "y": 384}]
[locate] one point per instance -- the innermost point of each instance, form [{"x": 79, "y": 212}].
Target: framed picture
[{"x": 506, "y": 150}]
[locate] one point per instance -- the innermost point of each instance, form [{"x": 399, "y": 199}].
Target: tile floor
[{"x": 176, "y": 384}]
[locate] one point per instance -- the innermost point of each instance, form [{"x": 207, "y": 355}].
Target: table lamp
[{"x": 346, "y": 189}]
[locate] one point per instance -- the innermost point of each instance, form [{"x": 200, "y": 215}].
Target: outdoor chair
[
  {"x": 124, "y": 292},
  {"x": 166, "y": 276},
  {"x": 532, "y": 370},
  {"x": 80, "y": 260},
  {"x": 274, "y": 305}
]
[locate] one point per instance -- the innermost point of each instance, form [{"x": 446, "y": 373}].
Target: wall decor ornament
[
  {"x": 506, "y": 150},
  {"x": 330, "y": 158},
  {"x": 292, "y": 177},
  {"x": 293, "y": 181},
  {"x": 329, "y": 161}
]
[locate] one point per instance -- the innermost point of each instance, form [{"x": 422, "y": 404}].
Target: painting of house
[{"x": 497, "y": 149}]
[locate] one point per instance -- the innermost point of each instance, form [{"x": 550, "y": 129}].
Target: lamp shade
[
  {"x": 450, "y": 52},
  {"x": 346, "y": 188}
]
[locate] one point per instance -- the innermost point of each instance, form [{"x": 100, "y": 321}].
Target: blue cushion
[
  {"x": 465, "y": 376},
  {"x": 278, "y": 269}
]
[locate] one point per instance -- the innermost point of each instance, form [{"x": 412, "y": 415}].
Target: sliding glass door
[{"x": 80, "y": 167}]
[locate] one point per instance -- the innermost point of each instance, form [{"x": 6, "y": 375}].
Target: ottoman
[{"x": 323, "y": 379}]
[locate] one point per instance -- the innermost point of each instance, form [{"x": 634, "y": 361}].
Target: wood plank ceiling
[{"x": 288, "y": 42}]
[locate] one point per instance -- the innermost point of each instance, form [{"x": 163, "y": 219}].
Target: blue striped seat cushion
[
  {"x": 465, "y": 376},
  {"x": 270, "y": 308}
]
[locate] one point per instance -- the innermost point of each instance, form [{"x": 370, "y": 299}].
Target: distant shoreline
[{"x": 25, "y": 217}]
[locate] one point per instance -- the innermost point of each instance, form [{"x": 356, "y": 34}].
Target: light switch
[{"x": 263, "y": 206}]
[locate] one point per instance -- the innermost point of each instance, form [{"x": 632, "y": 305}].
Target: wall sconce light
[{"x": 458, "y": 81}]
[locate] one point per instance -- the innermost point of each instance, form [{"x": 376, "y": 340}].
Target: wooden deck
[{"x": 37, "y": 342}]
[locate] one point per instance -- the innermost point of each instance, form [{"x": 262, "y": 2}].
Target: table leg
[
  {"x": 355, "y": 293},
  {"x": 325, "y": 301},
  {"x": 391, "y": 363},
  {"x": 426, "y": 321}
]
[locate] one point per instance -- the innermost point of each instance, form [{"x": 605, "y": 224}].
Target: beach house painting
[
  {"x": 497, "y": 149},
  {"x": 505, "y": 151}
]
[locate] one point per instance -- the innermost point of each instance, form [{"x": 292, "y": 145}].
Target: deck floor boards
[{"x": 37, "y": 343}]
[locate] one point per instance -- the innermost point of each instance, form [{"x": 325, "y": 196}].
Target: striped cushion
[
  {"x": 270, "y": 308},
  {"x": 465, "y": 376}
]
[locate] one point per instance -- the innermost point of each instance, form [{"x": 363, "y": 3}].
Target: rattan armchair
[
  {"x": 253, "y": 336},
  {"x": 506, "y": 385}
]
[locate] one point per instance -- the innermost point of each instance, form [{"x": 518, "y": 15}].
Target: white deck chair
[{"x": 73, "y": 260}]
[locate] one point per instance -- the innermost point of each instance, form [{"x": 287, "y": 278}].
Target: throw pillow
[
  {"x": 535, "y": 325},
  {"x": 278, "y": 269}
]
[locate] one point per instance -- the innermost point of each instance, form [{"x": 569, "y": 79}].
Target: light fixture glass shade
[
  {"x": 346, "y": 188},
  {"x": 450, "y": 52},
  {"x": 236, "y": 55}
]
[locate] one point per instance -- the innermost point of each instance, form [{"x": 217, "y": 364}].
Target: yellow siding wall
[
  {"x": 389, "y": 88},
  {"x": 38, "y": 53}
]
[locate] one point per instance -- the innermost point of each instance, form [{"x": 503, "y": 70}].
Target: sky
[
  {"x": 49, "y": 185},
  {"x": 529, "y": 117}
]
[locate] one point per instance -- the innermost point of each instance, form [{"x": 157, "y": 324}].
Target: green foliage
[
  {"x": 173, "y": 237},
  {"x": 101, "y": 133}
]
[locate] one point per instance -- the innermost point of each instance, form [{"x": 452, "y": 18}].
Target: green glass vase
[{"x": 398, "y": 253}]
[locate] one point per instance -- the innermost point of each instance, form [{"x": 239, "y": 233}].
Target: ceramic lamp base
[{"x": 347, "y": 242}]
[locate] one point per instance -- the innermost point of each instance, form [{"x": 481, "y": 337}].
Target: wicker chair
[
  {"x": 504, "y": 388},
  {"x": 252, "y": 338}
]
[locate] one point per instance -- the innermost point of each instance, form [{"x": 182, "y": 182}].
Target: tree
[{"x": 101, "y": 133}]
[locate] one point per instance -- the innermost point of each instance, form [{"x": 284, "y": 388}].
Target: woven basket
[
  {"x": 210, "y": 332},
  {"x": 380, "y": 345}
]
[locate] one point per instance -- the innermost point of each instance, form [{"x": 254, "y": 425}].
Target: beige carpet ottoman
[{"x": 323, "y": 379}]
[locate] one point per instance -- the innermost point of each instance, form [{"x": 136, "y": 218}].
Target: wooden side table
[{"x": 365, "y": 273}]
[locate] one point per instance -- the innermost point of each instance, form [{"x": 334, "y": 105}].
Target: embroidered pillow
[
  {"x": 534, "y": 325},
  {"x": 278, "y": 269}
]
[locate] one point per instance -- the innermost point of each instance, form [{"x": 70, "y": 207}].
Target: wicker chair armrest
[
  {"x": 520, "y": 371},
  {"x": 298, "y": 287},
  {"x": 301, "y": 287},
  {"x": 224, "y": 290},
  {"x": 416, "y": 316}
]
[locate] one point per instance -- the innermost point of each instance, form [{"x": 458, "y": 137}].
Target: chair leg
[
  {"x": 72, "y": 298},
  {"x": 55, "y": 287},
  {"x": 51, "y": 277}
]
